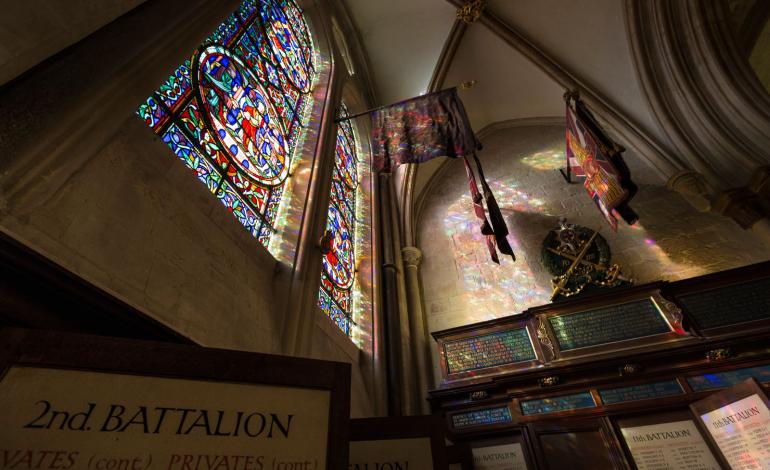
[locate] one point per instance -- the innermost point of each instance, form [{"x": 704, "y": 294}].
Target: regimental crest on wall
[{"x": 580, "y": 260}]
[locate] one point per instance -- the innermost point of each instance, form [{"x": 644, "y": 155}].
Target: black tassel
[{"x": 495, "y": 215}]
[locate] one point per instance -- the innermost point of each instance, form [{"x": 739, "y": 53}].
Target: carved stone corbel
[
  {"x": 740, "y": 204},
  {"x": 760, "y": 183},
  {"x": 749, "y": 205},
  {"x": 693, "y": 187}
]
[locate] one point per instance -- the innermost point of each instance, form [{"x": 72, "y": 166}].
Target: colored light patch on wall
[
  {"x": 288, "y": 217},
  {"x": 491, "y": 290},
  {"x": 545, "y": 160},
  {"x": 669, "y": 268}
]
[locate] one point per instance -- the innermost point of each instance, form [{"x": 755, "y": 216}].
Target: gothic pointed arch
[{"x": 701, "y": 89}]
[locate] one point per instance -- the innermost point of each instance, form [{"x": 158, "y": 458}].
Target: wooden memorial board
[
  {"x": 77, "y": 401},
  {"x": 473, "y": 354},
  {"x": 605, "y": 325},
  {"x": 585, "y": 444},
  {"x": 399, "y": 443},
  {"x": 666, "y": 440},
  {"x": 643, "y": 391},
  {"x": 636, "y": 317},
  {"x": 737, "y": 420},
  {"x": 727, "y": 378},
  {"x": 488, "y": 350},
  {"x": 574, "y": 401},
  {"x": 728, "y": 305},
  {"x": 459, "y": 456}
]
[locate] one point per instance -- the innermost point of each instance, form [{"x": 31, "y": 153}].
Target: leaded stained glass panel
[
  {"x": 233, "y": 111},
  {"x": 339, "y": 264}
]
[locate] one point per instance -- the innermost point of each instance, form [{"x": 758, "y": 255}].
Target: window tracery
[
  {"x": 339, "y": 264},
  {"x": 233, "y": 112}
]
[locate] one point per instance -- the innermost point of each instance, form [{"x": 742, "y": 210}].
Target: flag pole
[{"x": 462, "y": 86}]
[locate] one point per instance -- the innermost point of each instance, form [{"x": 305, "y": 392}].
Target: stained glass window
[
  {"x": 233, "y": 112},
  {"x": 339, "y": 264}
]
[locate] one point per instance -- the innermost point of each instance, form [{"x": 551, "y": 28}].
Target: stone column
[{"x": 412, "y": 257}]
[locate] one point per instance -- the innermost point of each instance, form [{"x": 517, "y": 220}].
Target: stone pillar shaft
[{"x": 412, "y": 257}]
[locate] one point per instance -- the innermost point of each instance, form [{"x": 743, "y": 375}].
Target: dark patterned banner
[
  {"x": 592, "y": 154},
  {"x": 421, "y": 129},
  {"x": 431, "y": 126}
]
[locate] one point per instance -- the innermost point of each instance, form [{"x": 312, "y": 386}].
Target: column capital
[
  {"x": 412, "y": 256},
  {"x": 693, "y": 187}
]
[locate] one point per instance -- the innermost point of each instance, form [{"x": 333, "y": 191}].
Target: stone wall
[
  {"x": 86, "y": 184},
  {"x": 135, "y": 221},
  {"x": 461, "y": 285},
  {"x": 48, "y": 27}
]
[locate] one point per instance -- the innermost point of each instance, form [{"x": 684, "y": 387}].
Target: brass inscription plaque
[
  {"x": 605, "y": 325},
  {"x": 494, "y": 349}
]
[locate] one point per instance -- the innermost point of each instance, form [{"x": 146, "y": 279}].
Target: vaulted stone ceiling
[
  {"x": 588, "y": 39},
  {"x": 403, "y": 41}
]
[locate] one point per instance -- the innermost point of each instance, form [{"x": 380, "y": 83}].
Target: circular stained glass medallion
[{"x": 243, "y": 117}]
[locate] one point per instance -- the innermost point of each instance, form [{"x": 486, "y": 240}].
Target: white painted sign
[
  {"x": 669, "y": 446},
  {"x": 67, "y": 419},
  {"x": 391, "y": 454},
  {"x": 500, "y": 457},
  {"x": 742, "y": 432}
]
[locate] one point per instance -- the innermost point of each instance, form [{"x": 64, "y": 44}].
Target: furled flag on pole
[
  {"x": 435, "y": 125},
  {"x": 591, "y": 154}
]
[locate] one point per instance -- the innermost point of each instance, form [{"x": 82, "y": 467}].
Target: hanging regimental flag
[
  {"x": 421, "y": 129},
  {"x": 431, "y": 126},
  {"x": 591, "y": 154}
]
